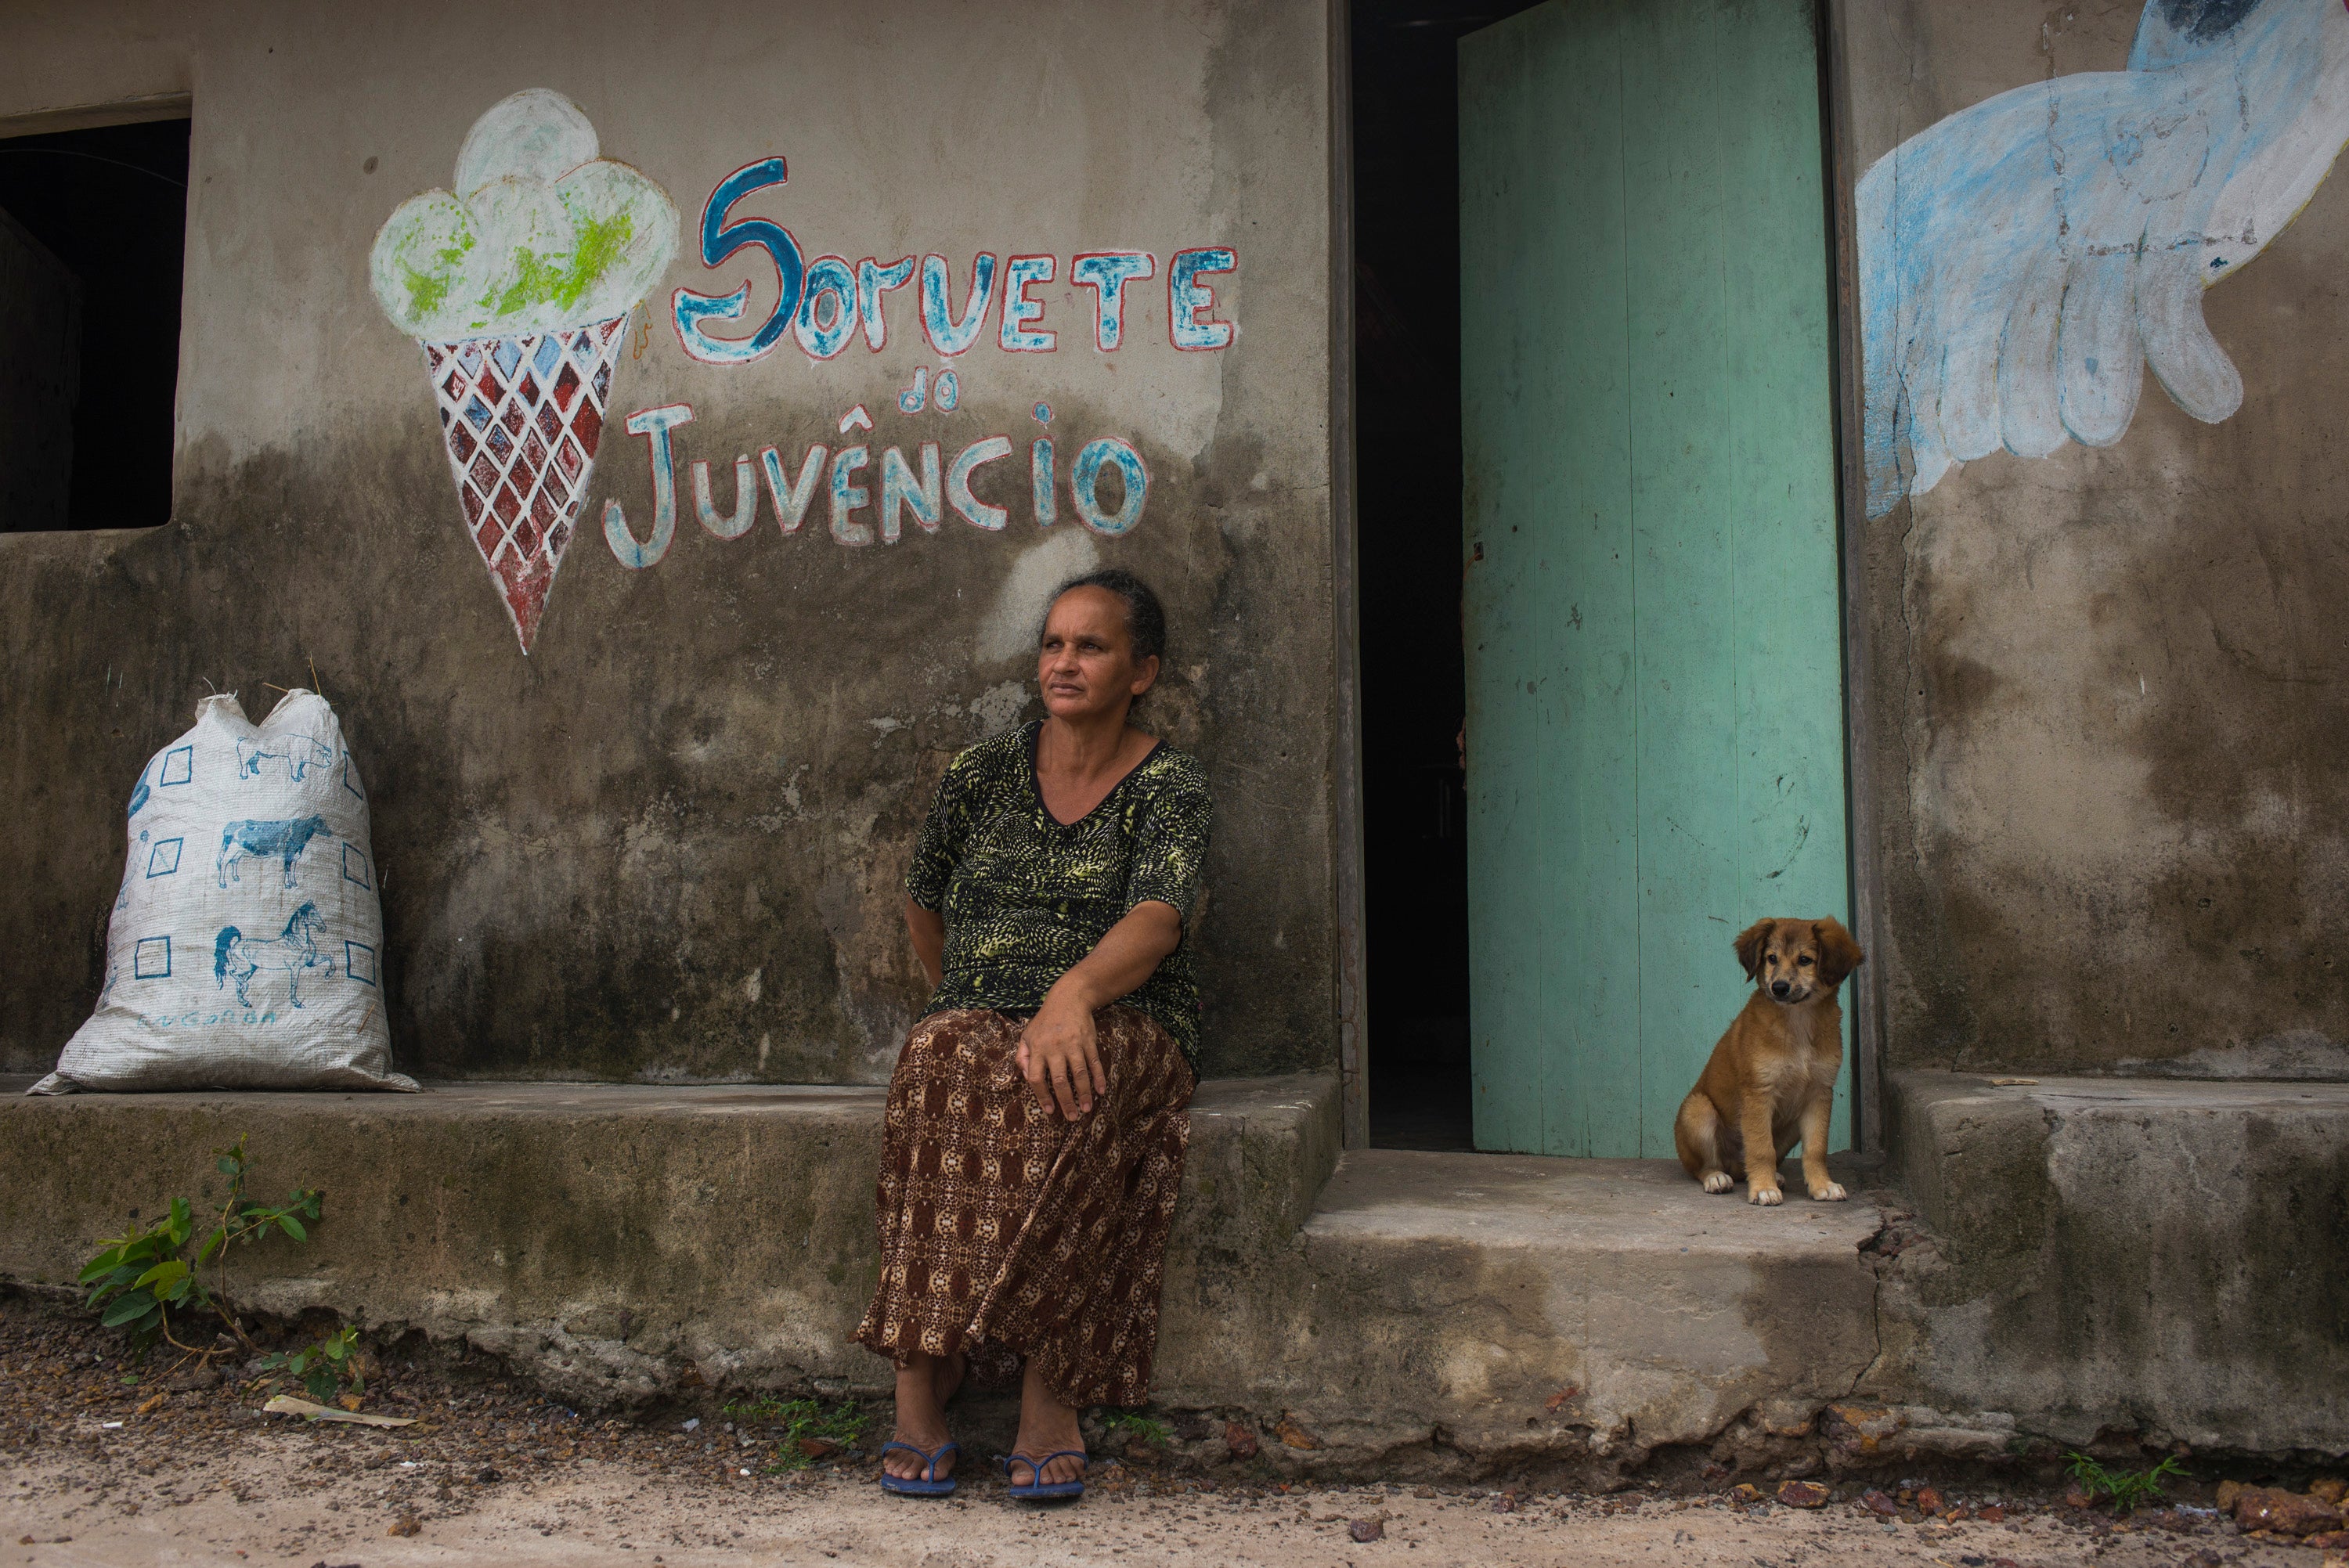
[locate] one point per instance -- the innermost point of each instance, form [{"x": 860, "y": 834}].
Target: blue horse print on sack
[
  {"x": 284, "y": 840},
  {"x": 298, "y": 752},
  {"x": 238, "y": 956}
]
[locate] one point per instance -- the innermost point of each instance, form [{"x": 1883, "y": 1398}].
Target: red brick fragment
[{"x": 2285, "y": 1512}]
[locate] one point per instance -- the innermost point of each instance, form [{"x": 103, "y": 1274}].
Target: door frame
[
  {"x": 1346, "y": 765},
  {"x": 1860, "y": 818},
  {"x": 1351, "y": 998}
]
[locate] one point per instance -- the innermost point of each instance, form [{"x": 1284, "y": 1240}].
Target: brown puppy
[{"x": 1771, "y": 1078}]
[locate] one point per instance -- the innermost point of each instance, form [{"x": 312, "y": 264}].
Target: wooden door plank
[
  {"x": 1551, "y": 838},
  {"x": 1780, "y": 447},
  {"x": 1595, "y": 863},
  {"x": 1505, "y": 231},
  {"x": 1684, "y": 525}
]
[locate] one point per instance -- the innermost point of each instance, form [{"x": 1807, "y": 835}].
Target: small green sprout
[{"x": 2128, "y": 1489}]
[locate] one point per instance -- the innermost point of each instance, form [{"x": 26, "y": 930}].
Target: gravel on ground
[{"x": 107, "y": 1461}]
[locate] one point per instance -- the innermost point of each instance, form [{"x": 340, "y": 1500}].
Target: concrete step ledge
[
  {"x": 2153, "y": 1255},
  {"x": 600, "y": 1235}
]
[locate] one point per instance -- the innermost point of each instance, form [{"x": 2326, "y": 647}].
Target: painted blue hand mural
[{"x": 2023, "y": 261}]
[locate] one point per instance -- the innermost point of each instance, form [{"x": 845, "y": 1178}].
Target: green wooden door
[{"x": 1655, "y": 688}]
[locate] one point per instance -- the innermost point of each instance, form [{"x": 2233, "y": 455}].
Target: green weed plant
[
  {"x": 146, "y": 1283},
  {"x": 2128, "y": 1490},
  {"x": 803, "y": 1421},
  {"x": 324, "y": 1366},
  {"x": 1128, "y": 1425},
  {"x": 145, "y": 1280}
]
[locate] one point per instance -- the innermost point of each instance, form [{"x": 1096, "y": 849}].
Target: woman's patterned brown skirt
[{"x": 1009, "y": 1234}]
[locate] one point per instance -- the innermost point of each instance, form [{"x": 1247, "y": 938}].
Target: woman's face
[{"x": 1086, "y": 665}]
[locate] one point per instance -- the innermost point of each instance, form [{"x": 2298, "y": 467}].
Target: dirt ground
[{"x": 102, "y": 1463}]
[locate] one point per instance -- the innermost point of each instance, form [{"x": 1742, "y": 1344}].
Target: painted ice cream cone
[
  {"x": 519, "y": 292},
  {"x": 520, "y": 418}
]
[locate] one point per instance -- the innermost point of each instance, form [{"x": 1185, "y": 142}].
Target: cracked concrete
[
  {"x": 2153, "y": 1256},
  {"x": 1531, "y": 1309},
  {"x": 1443, "y": 1315}
]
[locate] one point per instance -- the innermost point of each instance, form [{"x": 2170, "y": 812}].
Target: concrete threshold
[{"x": 1496, "y": 1305}]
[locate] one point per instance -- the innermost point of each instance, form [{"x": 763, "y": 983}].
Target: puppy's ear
[
  {"x": 1839, "y": 954},
  {"x": 1750, "y": 943}
]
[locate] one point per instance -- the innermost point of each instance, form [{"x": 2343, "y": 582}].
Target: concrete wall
[
  {"x": 666, "y": 844},
  {"x": 2110, "y": 740}
]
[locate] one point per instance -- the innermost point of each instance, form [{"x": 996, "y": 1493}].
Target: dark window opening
[
  {"x": 92, "y": 233},
  {"x": 1407, "y": 455}
]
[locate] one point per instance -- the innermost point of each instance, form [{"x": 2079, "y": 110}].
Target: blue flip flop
[
  {"x": 1038, "y": 1489},
  {"x": 928, "y": 1484}
]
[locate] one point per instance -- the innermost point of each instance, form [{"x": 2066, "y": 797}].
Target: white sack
[{"x": 245, "y": 950}]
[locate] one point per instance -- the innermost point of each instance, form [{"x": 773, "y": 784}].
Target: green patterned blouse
[{"x": 1026, "y": 897}]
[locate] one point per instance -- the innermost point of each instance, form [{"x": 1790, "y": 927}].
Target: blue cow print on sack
[
  {"x": 286, "y": 839},
  {"x": 298, "y": 752}
]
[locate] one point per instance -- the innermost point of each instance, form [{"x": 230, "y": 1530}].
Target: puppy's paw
[
  {"x": 1832, "y": 1193},
  {"x": 1765, "y": 1196},
  {"x": 1718, "y": 1180}
]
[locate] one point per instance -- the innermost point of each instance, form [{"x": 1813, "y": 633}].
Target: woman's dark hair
[{"x": 1145, "y": 618}]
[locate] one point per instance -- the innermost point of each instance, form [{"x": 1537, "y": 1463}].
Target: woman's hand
[{"x": 1059, "y": 1054}]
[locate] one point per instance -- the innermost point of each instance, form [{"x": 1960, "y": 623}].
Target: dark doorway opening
[
  {"x": 1407, "y": 454},
  {"x": 92, "y": 233}
]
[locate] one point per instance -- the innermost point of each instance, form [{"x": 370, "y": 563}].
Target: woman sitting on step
[{"x": 1036, "y": 1119}]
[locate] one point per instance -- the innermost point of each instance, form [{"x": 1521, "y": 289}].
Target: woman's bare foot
[
  {"x": 924, "y": 1385},
  {"x": 1046, "y": 1427}
]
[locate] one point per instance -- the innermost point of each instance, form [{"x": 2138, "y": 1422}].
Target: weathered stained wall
[
  {"x": 666, "y": 844},
  {"x": 2111, "y": 743}
]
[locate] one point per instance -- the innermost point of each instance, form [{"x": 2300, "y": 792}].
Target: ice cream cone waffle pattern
[
  {"x": 521, "y": 417},
  {"x": 518, "y": 285}
]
